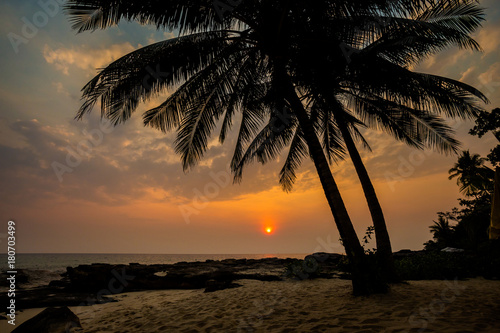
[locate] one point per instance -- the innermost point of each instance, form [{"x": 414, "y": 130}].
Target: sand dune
[{"x": 303, "y": 306}]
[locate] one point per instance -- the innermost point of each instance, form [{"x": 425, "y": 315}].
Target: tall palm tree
[
  {"x": 252, "y": 61},
  {"x": 381, "y": 52},
  {"x": 219, "y": 71},
  {"x": 473, "y": 177},
  {"x": 423, "y": 33}
]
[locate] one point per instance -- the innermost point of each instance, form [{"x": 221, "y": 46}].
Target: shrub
[{"x": 436, "y": 265}]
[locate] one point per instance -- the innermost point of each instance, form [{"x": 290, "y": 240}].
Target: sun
[{"x": 269, "y": 230}]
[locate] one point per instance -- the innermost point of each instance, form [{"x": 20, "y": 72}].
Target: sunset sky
[{"x": 129, "y": 194}]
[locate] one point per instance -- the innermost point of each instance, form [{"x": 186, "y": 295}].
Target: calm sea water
[{"x": 42, "y": 268}]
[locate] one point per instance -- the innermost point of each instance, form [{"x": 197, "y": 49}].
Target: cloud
[
  {"x": 491, "y": 76},
  {"x": 486, "y": 80},
  {"x": 113, "y": 167},
  {"x": 60, "y": 88},
  {"x": 83, "y": 57},
  {"x": 444, "y": 60},
  {"x": 154, "y": 38},
  {"x": 489, "y": 38},
  {"x": 469, "y": 75}
]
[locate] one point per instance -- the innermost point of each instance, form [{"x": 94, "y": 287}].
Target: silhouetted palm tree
[
  {"x": 473, "y": 177},
  {"x": 219, "y": 71},
  {"x": 371, "y": 77},
  {"x": 442, "y": 232},
  {"x": 254, "y": 60}
]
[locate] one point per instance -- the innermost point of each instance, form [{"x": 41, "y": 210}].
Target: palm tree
[
  {"x": 219, "y": 71},
  {"x": 473, "y": 177},
  {"x": 441, "y": 231},
  {"x": 381, "y": 60},
  {"x": 252, "y": 62}
]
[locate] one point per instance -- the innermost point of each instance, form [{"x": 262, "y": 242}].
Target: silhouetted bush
[
  {"x": 441, "y": 265},
  {"x": 488, "y": 260}
]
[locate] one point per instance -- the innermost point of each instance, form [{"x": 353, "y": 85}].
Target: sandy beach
[{"x": 300, "y": 306}]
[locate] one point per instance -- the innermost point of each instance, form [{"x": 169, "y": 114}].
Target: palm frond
[
  {"x": 140, "y": 74},
  {"x": 184, "y": 15},
  {"x": 298, "y": 150},
  {"x": 268, "y": 143}
]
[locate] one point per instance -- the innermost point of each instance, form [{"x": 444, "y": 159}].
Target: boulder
[
  {"x": 405, "y": 253},
  {"x": 214, "y": 285},
  {"x": 326, "y": 258},
  {"x": 50, "y": 320},
  {"x": 452, "y": 250}
]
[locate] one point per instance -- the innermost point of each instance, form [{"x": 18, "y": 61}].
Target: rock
[
  {"x": 325, "y": 258},
  {"x": 81, "y": 285},
  {"x": 58, "y": 283},
  {"x": 50, "y": 320},
  {"x": 406, "y": 253},
  {"x": 214, "y": 285},
  {"x": 3, "y": 317},
  {"x": 452, "y": 250},
  {"x": 52, "y": 297}
]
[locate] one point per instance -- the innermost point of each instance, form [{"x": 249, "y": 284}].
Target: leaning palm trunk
[
  {"x": 384, "y": 249},
  {"x": 363, "y": 281}
]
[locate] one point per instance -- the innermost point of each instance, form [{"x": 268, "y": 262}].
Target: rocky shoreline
[{"x": 93, "y": 284}]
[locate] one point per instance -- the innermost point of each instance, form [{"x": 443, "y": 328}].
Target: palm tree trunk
[
  {"x": 363, "y": 282},
  {"x": 384, "y": 248}
]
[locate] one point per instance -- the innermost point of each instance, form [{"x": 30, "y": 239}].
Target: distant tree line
[{"x": 467, "y": 226}]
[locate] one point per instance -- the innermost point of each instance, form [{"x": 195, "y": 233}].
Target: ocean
[{"x": 41, "y": 268}]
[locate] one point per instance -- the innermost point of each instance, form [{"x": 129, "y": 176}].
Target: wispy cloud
[{"x": 84, "y": 58}]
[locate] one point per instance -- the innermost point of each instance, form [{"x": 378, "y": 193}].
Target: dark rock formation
[
  {"x": 182, "y": 275},
  {"x": 325, "y": 259},
  {"x": 89, "y": 284},
  {"x": 50, "y": 320},
  {"x": 50, "y": 296},
  {"x": 214, "y": 285},
  {"x": 407, "y": 253}
]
